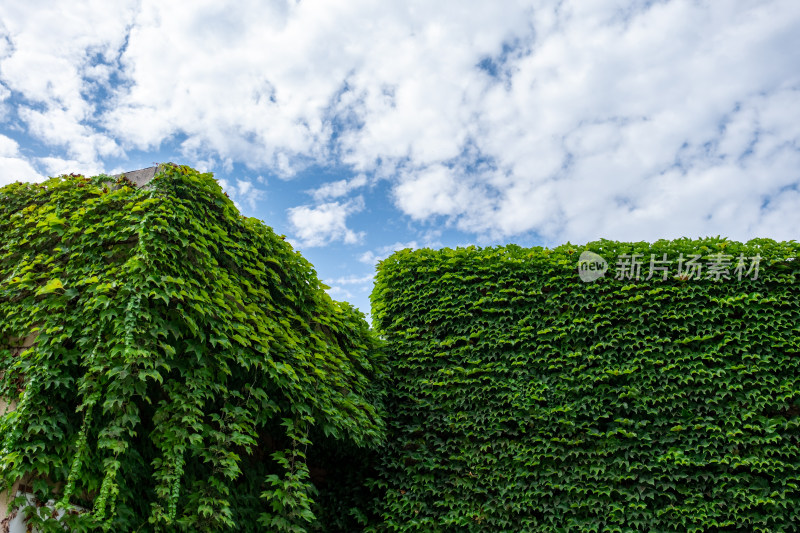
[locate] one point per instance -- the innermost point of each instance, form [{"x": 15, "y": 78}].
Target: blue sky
[{"x": 360, "y": 127}]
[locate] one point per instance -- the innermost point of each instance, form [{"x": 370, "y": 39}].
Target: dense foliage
[
  {"x": 191, "y": 374},
  {"x": 188, "y": 362},
  {"x": 525, "y": 399}
]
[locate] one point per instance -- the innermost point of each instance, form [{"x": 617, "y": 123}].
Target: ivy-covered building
[
  {"x": 529, "y": 397},
  {"x": 189, "y": 371}
]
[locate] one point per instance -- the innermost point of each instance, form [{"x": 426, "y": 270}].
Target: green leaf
[{"x": 51, "y": 286}]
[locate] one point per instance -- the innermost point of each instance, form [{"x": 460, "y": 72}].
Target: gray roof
[{"x": 141, "y": 177}]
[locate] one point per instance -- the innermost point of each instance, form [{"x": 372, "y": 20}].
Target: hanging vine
[{"x": 174, "y": 339}]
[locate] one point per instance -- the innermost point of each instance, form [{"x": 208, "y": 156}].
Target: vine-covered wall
[
  {"x": 188, "y": 369},
  {"x": 16, "y": 346},
  {"x": 529, "y": 393}
]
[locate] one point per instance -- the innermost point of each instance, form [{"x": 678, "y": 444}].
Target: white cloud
[
  {"x": 4, "y": 108},
  {"x": 14, "y": 167},
  {"x": 337, "y": 189},
  {"x": 340, "y": 293},
  {"x": 8, "y": 146},
  {"x": 216, "y": 76},
  {"x": 585, "y": 118},
  {"x": 326, "y": 223},
  {"x": 371, "y": 257},
  {"x": 56, "y": 56},
  {"x": 434, "y": 191},
  {"x": 17, "y": 169},
  {"x": 354, "y": 280},
  {"x": 357, "y": 285},
  {"x": 56, "y": 166},
  {"x": 59, "y": 127},
  {"x": 242, "y": 192}
]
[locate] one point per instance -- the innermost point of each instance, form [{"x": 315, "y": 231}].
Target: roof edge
[{"x": 140, "y": 177}]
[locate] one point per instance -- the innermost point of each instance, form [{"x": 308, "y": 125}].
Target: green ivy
[
  {"x": 524, "y": 399},
  {"x": 188, "y": 364}
]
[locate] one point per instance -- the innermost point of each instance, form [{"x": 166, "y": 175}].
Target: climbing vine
[
  {"x": 187, "y": 362},
  {"x": 650, "y": 387}
]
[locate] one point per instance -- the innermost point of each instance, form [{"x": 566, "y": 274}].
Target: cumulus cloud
[
  {"x": 57, "y": 166},
  {"x": 371, "y": 257},
  {"x": 4, "y": 108},
  {"x": 57, "y": 58},
  {"x": 346, "y": 287},
  {"x": 340, "y": 293},
  {"x": 326, "y": 223},
  {"x": 14, "y": 167},
  {"x": 568, "y": 119},
  {"x": 353, "y": 280},
  {"x": 243, "y": 191},
  {"x": 337, "y": 189},
  {"x": 435, "y": 190}
]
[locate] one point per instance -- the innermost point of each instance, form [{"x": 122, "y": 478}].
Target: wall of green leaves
[
  {"x": 189, "y": 373},
  {"x": 523, "y": 398}
]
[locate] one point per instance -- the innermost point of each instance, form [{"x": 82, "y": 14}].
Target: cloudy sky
[{"x": 358, "y": 127}]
